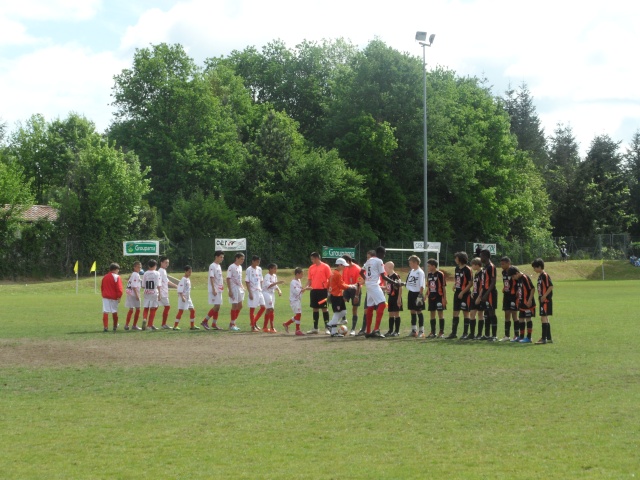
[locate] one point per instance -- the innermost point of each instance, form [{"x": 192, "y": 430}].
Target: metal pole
[{"x": 426, "y": 211}]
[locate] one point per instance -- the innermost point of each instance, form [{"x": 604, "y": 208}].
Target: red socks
[
  {"x": 369, "y": 316},
  {"x": 129, "y": 314},
  {"x": 105, "y": 320},
  {"x": 165, "y": 314},
  {"x": 379, "y": 315}
]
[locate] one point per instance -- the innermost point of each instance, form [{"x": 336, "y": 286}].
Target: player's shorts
[
  {"x": 350, "y": 294},
  {"x": 132, "y": 302},
  {"x": 296, "y": 307},
  {"x": 109, "y": 306},
  {"x": 492, "y": 300},
  {"x": 150, "y": 301},
  {"x": 476, "y": 306},
  {"x": 509, "y": 302},
  {"x": 411, "y": 302},
  {"x": 188, "y": 305},
  {"x": 393, "y": 304},
  {"x": 164, "y": 301},
  {"x": 315, "y": 296},
  {"x": 269, "y": 299},
  {"x": 375, "y": 296},
  {"x": 527, "y": 313},
  {"x": 546, "y": 307},
  {"x": 258, "y": 300},
  {"x": 337, "y": 304},
  {"x": 217, "y": 299},
  {"x": 461, "y": 304},
  {"x": 237, "y": 294},
  {"x": 435, "y": 303}
]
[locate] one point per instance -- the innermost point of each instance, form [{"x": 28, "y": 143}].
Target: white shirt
[
  {"x": 164, "y": 283},
  {"x": 373, "y": 268},
  {"x": 184, "y": 287},
  {"x": 295, "y": 290},
  {"x": 133, "y": 284},
  {"x": 215, "y": 272},
  {"x": 415, "y": 280},
  {"x": 234, "y": 272},
  {"x": 253, "y": 276},
  {"x": 150, "y": 281},
  {"x": 268, "y": 280}
]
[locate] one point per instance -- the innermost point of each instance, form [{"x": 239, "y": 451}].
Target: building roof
[{"x": 38, "y": 212}]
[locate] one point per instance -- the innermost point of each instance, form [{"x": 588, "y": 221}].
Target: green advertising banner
[
  {"x": 141, "y": 247},
  {"x": 337, "y": 252}
]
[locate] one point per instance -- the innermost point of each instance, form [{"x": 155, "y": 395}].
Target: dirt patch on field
[{"x": 167, "y": 348}]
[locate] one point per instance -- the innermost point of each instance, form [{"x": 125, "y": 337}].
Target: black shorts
[
  {"x": 411, "y": 302},
  {"x": 529, "y": 313},
  {"x": 350, "y": 295},
  {"x": 461, "y": 304},
  {"x": 509, "y": 302},
  {"x": 546, "y": 307},
  {"x": 476, "y": 306},
  {"x": 393, "y": 304},
  {"x": 317, "y": 295},
  {"x": 435, "y": 304},
  {"x": 337, "y": 304}
]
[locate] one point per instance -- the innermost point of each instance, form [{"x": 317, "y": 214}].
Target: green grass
[{"x": 396, "y": 408}]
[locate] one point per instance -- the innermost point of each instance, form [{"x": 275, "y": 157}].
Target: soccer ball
[{"x": 343, "y": 329}]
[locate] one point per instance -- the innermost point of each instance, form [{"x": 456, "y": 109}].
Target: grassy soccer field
[{"x": 80, "y": 403}]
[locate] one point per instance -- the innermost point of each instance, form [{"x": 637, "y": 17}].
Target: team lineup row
[{"x": 475, "y": 296}]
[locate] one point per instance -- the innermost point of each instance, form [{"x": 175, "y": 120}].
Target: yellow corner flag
[
  {"x": 93, "y": 267},
  {"x": 75, "y": 268}
]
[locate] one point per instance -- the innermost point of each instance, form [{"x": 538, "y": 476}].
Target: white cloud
[
  {"x": 51, "y": 9},
  {"x": 14, "y": 33}
]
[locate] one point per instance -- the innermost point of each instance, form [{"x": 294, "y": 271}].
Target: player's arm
[
  {"x": 213, "y": 285},
  {"x": 229, "y": 286},
  {"x": 170, "y": 284},
  {"x": 389, "y": 280},
  {"x": 533, "y": 291},
  {"x": 249, "y": 288},
  {"x": 546, "y": 294},
  {"x": 492, "y": 285}
]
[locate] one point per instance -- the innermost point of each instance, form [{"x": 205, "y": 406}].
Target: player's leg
[
  {"x": 455, "y": 320},
  {"x": 128, "y": 321},
  {"x": 178, "y": 317},
  {"x": 432, "y": 318}
]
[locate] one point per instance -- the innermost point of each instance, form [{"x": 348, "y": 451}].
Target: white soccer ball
[{"x": 343, "y": 329}]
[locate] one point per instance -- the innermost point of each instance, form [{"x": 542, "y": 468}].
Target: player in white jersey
[
  {"x": 269, "y": 288},
  {"x": 216, "y": 287},
  {"x": 165, "y": 283},
  {"x": 236, "y": 290},
  {"x": 295, "y": 300},
  {"x": 253, "y": 280},
  {"x": 415, "y": 298},
  {"x": 150, "y": 282},
  {"x": 372, "y": 272},
  {"x": 184, "y": 300},
  {"x": 132, "y": 301}
]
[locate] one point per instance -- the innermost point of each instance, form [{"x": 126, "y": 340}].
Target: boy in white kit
[
  {"x": 295, "y": 295},
  {"x": 216, "y": 287},
  {"x": 269, "y": 288},
  {"x": 253, "y": 279},
  {"x": 236, "y": 290},
  {"x": 184, "y": 300},
  {"x": 372, "y": 271},
  {"x": 150, "y": 282},
  {"x": 132, "y": 302},
  {"x": 164, "y": 291}
]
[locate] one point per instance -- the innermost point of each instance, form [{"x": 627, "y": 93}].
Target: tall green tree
[{"x": 632, "y": 172}]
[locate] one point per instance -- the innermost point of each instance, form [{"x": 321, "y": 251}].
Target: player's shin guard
[
  {"x": 397, "y": 329},
  {"x": 421, "y": 322},
  {"x": 136, "y": 317},
  {"x": 391, "y": 323},
  {"x": 296, "y": 319},
  {"x": 152, "y": 316},
  {"x": 369, "y": 318},
  {"x": 252, "y": 317},
  {"x": 379, "y": 315},
  {"x": 105, "y": 320},
  {"x": 472, "y": 327},
  {"x": 129, "y": 314},
  {"x": 529, "y": 328},
  {"x": 494, "y": 325},
  {"x": 454, "y": 325},
  {"x": 115, "y": 321},
  {"x": 325, "y": 317},
  {"x": 507, "y": 328},
  {"x": 259, "y": 314},
  {"x": 165, "y": 314},
  {"x": 441, "y": 324},
  {"x": 487, "y": 326},
  {"x": 316, "y": 317},
  {"x": 466, "y": 326},
  {"x": 432, "y": 322},
  {"x": 414, "y": 321},
  {"x": 480, "y": 326},
  {"x": 522, "y": 328},
  {"x": 548, "y": 331}
]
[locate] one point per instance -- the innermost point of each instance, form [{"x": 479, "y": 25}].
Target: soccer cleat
[
  {"x": 431, "y": 335},
  {"x": 313, "y": 331},
  {"x": 394, "y": 334},
  {"x": 451, "y": 336},
  {"x": 337, "y": 335},
  {"x": 105, "y": 330},
  {"x": 464, "y": 337},
  {"x": 215, "y": 327},
  {"x": 377, "y": 334},
  {"x": 479, "y": 337},
  {"x": 126, "y": 327},
  {"x": 273, "y": 330},
  {"x": 299, "y": 333},
  {"x": 153, "y": 328},
  {"x": 440, "y": 334},
  {"x": 205, "y": 325},
  {"x": 414, "y": 333},
  {"x": 525, "y": 340},
  {"x": 233, "y": 328},
  {"x": 361, "y": 333},
  {"x": 136, "y": 328},
  {"x": 165, "y": 327},
  {"x": 388, "y": 334},
  {"x": 286, "y": 327},
  {"x": 193, "y": 328},
  {"x": 505, "y": 339},
  {"x": 515, "y": 339},
  {"x": 256, "y": 329},
  {"x": 549, "y": 340},
  {"x": 352, "y": 333},
  {"x": 542, "y": 341},
  {"x": 343, "y": 321},
  {"x": 115, "y": 328},
  {"x": 176, "y": 329},
  {"x": 327, "y": 331},
  {"x": 492, "y": 339}
]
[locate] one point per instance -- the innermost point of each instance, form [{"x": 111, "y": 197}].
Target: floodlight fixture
[
  {"x": 431, "y": 37},
  {"x": 421, "y": 36}
]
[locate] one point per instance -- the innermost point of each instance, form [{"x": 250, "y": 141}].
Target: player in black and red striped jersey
[
  {"x": 436, "y": 284},
  {"x": 477, "y": 308},
  {"x": 545, "y": 292},
  {"x": 509, "y": 307},
  {"x": 526, "y": 304},
  {"x": 489, "y": 297},
  {"x": 461, "y": 294}
]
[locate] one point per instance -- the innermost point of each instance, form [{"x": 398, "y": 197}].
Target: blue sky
[{"x": 578, "y": 59}]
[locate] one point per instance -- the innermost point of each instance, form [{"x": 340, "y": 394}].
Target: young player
[
  {"x": 351, "y": 276},
  {"x": 436, "y": 283},
  {"x": 236, "y": 290},
  {"x": 184, "y": 300},
  {"x": 509, "y": 300},
  {"x": 215, "y": 286},
  {"x": 545, "y": 292},
  {"x": 150, "y": 282},
  {"x": 132, "y": 301},
  {"x": 476, "y": 307},
  {"x": 164, "y": 291},
  {"x": 295, "y": 300},
  {"x": 253, "y": 279},
  {"x": 489, "y": 297},
  {"x": 318, "y": 279},
  {"x": 526, "y": 303},
  {"x": 372, "y": 272},
  {"x": 415, "y": 297},
  {"x": 395, "y": 300},
  {"x": 461, "y": 294},
  {"x": 111, "y": 287},
  {"x": 270, "y": 285},
  {"x": 337, "y": 287}
]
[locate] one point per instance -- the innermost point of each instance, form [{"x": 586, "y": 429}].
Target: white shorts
[
  {"x": 132, "y": 302},
  {"x": 164, "y": 301},
  {"x": 258, "y": 300},
  {"x": 150, "y": 301},
  {"x": 296, "y": 307},
  {"x": 269, "y": 299},
  {"x": 109, "y": 306},
  {"x": 188, "y": 305},
  {"x": 237, "y": 294},
  {"x": 217, "y": 300},
  {"x": 375, "y": 296}
]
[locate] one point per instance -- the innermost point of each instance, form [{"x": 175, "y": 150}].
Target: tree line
[{"x": 311, "y": 145}]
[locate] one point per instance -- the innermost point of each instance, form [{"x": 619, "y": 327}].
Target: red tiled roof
[{"x": 38, "y": 212}]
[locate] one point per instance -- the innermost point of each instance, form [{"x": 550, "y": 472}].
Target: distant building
[{"x": 38, "y": 212}]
